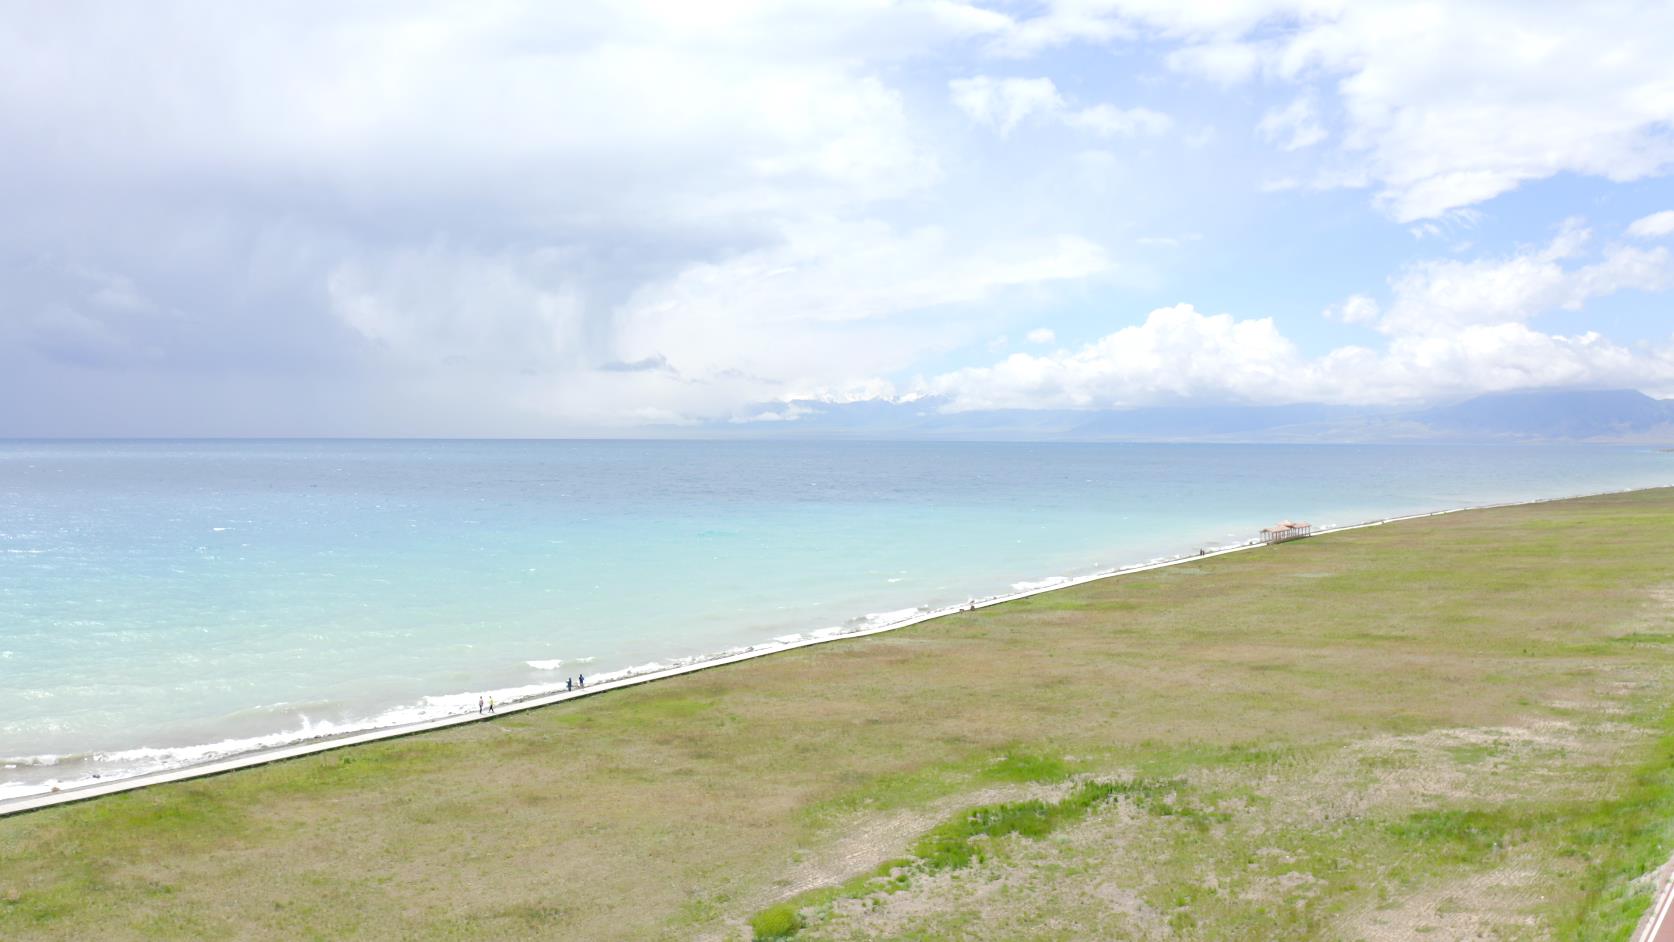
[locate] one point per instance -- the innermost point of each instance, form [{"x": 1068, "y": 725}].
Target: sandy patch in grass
[
  {"x": 867, "y": 840},
  {"x": 1493, "y": 905},
  {"x": 1290, "y": 844}
]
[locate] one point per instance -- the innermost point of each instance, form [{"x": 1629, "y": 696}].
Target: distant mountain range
[{"x": 1613, "y": 415}]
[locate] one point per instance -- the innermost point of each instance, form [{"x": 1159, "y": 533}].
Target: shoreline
[{"x": 95, "y": 788}]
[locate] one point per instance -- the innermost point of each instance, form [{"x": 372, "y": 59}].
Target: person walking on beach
[
  {"x": 569, "y": 684},
  {"x": 479, "y": 705},
  {"x": 491, "y": 704},
  {"x": 581, "y": 680}
]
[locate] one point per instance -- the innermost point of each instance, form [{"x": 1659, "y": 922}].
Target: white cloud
[
  {"x": 1059, "y": 23},
  {"x": 1294, "y": 126},
  {"x": 1181, "y": 355},
  {"x": 1224, "y": 63},
  {"x": 1356, "y": 309},
  {"x": 1448, "y": 105},
  {"x": 1176, "y": 354},
  {"x": 970, "y": 20},
  {"x": 1111, "y": 121},
  {"x": 820, "y": 314},
  {"x": 831, "y": 306},
  {"x": 1452, "y": 328},
  {"x": 1062, "y": 22},
  {"x": 499, "y": 204},
  {"x": 1654, "y": 226},
  {"x": 632, "y": 110},
  {"x": 662, "y": 209},
  {"x": 1042, "y": 335},
  {"x": 1497, "y": 357},
  {"x": 1434, "y": 296},
  {"x": 1003, "y": 104}
]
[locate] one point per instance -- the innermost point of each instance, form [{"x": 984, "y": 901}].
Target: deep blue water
[{"x": 158, "y": 597}]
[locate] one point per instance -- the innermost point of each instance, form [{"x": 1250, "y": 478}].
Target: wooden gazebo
[{"x": 1289, "y": 530}]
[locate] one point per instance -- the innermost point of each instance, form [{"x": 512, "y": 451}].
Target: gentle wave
[{"x": 1046, "y": 583}]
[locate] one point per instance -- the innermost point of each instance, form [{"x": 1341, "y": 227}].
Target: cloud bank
[
  {"x": 523, "y": 218},
  {"x": 1452, "y": 327}
]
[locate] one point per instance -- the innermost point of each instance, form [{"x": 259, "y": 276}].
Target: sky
[{"x": 532, "y": 219}]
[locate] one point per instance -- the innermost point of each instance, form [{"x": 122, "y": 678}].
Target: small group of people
[{"x": 485, "y": 703}]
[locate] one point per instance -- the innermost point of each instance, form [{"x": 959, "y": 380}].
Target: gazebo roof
[{"x": 1287, "y": 525}]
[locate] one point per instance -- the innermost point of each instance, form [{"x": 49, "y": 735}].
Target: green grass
[
  {"x": 1457, "y": 724},
  {"x": 1620, "y": 840},
  {"x": 1455, "y": 835},
  {"x": 966, "y": 839},
  {"x": 776, "y": 922},
  {"x": 1026, "y": 767}
]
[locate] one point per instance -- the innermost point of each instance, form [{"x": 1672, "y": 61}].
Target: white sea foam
[
  {"x": 550, "y": 665},
  {"x": 126, "y": 763},
  {"x": 1046, "y": 583},
  {"x": 650, "y": 667},
  {"x": 879, "y": 619},
  {"x": 47, "y": 759}
]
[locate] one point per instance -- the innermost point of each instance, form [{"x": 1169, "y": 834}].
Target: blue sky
[{"x": 509, "y": 219}]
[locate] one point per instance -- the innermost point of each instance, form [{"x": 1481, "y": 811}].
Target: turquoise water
[{"x": 162, "y": 602}]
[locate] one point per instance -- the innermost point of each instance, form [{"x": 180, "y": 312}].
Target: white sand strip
[{"x": 83, "y": 792}]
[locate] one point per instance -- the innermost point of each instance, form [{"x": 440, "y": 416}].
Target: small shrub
[{"x": 776, "y": 922}]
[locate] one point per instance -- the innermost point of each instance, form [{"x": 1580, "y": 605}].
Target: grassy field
[{"x": 1451, "y": 728}]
